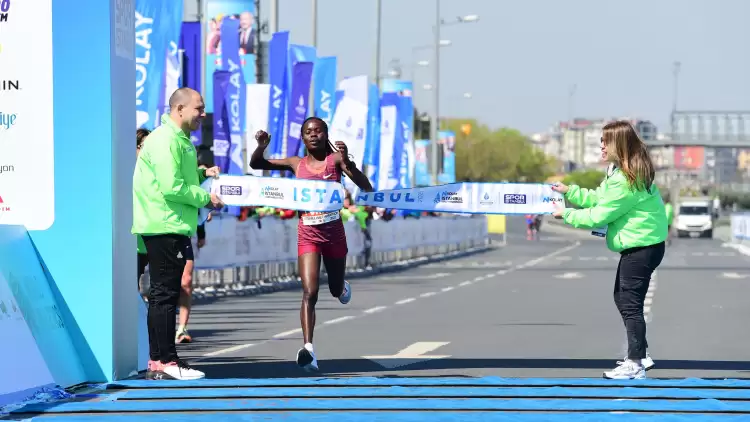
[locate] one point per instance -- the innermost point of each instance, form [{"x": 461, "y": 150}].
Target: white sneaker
[
  {"x": 628, "y": 370},
  {"x": 647, "y": 362},
  {"x": 180, "y": 370},
  {"x": 346, "y": 295},
  {"x": 306, "y": 359}
]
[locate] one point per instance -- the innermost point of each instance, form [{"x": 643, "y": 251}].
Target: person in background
[
  {"x": 670, "y": 217},
  {"x": 166, "y": 198},
  {"x": 629, "y": 205},
  {"x": 140, "y": 136}
]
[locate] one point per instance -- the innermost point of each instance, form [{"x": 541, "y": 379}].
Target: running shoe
[
  {"x": 647, "y": 362},
  {"x": 306, "y": 360},
  {"x": 346, "y": 295},
  {"x": 628, "y": 370},
  {"x": 183, "y": 337},
  {"x": 177, "y": 370}
]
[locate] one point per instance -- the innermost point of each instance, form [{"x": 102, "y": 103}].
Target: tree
[
  {"x": 487, "y": 155},
  {"x": 589, "y": 179}
]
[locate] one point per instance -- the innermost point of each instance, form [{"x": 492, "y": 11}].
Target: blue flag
[
  {"x": 221, "y": 120},
  {"x": 277, "y": 71},
  {"x": 153, "y": 32},
  {"x": 235, "y": 93},
  {"x": 325, "y": 88},
  {"x": 297, "y": 107}
]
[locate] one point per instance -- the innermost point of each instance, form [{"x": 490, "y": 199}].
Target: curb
[{"x": 291, "y": 283}]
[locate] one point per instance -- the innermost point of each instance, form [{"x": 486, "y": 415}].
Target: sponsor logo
[
  {"x": 514, "y": 198},
  {"x": 3, "y": 205},
  {"x": 231, "y": 190},
  {"x": 448, "y": 197},
  {"x": 10, "y": 85},
  {"x": 271, "y": 192},
  {"x": 301, "y": 109},
  {"x": 486, "y": 200},
  {"x": 4, "y": 10},
  {"x": 7, "y": 120},
  {"x": 548, "y": 199},
  {"x": 7, "y": 168}
]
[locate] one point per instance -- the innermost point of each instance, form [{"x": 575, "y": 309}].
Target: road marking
[
  {"x": 585, "y": 258},
  {"x": 714, "y": 254},
  {"x": 405, "y": 301},
  {"x": 375, "y": 309},
  {"x": 339, "y": 319},
  {"x": 697, "y": 254},
  {"x": 412, "y": 354},
  {"x": 416, "y": 276},
  {"x": 528, "y": 264},
  {"x": 569, "y": 275},
  {"x": 465, "y": 283},
  {"x": 480, "y": 278},
  {"x": 734, "y": 275},
  {"x": 229, "y": 349},
  {"x": 564, "y": 258},
  {"x": 447, "y": 289},
  {"x": 287, "y": 333},
  {"x": 602, "y": 258}
]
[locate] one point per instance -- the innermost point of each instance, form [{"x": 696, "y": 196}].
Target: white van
[{"x": 694, "y": 218}]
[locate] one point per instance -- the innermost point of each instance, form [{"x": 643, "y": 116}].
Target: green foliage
[
  {"x": 487, "y": 155},
  {"x": 589, "y": 179}
]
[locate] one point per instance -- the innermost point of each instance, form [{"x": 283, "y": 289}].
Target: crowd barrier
[
  {"x": 740, "y": 226},
  {"x": 239, "y": 254}
]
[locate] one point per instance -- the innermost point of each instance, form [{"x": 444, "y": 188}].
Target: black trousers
[
  {"x": 167, "y": 255},
  {"x": 631, "y": 286}
]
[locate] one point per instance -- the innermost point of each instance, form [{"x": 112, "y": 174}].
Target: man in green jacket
[{"x": 166, "y": 198}]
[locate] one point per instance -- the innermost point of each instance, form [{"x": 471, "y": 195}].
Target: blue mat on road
[
  {"x": 402, "y": 417},
  {"x": 444, "y": 382},
  {"x": 409, "y": 399}
]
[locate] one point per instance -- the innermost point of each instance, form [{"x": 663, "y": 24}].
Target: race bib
[{"x": 316, "y": 218}]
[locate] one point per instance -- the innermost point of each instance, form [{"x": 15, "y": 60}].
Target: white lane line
[
  {"x": 585, "y": 258},
  {"x": 602, "y": 258},
  {"x": 288, "y": 333},
  {"x": 480, "y": 278},
  {"x": 339, "y": 319},
  {"x": 447, "y": 289},
  {"x": 564, "y": 258},
  {"x": 528, "y": 264},
  {"x": 465, "y": 283},
  {"x": 229, "y": 350},
  {"x": 375, "y": 309},
  {"x": 405, "y": 301}
]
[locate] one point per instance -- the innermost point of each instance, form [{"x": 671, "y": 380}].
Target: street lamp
[{"x": 434, "y": 127}]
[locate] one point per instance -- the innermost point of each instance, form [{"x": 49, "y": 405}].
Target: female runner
[{"x": 319, "y": 234}]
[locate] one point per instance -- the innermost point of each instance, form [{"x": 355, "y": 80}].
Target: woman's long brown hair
[{"x": 627, "y": 149}]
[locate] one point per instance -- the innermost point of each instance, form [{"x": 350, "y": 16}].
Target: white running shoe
[
  {"x": 647, "y": 362},
  {"x": 346, "y": 295},
  {"x": 180, "y": 370},
  {"x": 306, "y": 359},
  {"x": 628, "y": 370}
]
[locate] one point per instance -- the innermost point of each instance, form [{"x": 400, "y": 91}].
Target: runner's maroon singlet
[{"x": 321, "y": 232}]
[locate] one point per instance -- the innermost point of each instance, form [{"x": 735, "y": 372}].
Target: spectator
[{"x": 166, "y": 199}]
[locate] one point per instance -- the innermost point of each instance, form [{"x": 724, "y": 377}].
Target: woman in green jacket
[{"x": 629, "y": 208}]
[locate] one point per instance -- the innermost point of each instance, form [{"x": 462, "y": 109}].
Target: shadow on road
[{"x": 272, "y": 368}]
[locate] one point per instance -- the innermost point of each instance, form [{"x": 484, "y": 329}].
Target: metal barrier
[{"x": 239, "y": 256}]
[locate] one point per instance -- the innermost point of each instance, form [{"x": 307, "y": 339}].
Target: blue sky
[{"x": 519, "y": 60}]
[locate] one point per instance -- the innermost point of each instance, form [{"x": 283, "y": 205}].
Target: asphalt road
[{"x": 530, "y": 309}]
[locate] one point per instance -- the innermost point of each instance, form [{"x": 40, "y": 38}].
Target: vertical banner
[
  {"x": 372, "y": 140},
  {"x": 216, "y": 11},
  {"x": 421, "y": 174},
  {"x": 192, "y": 63},
  {"x": 325, "y": 88},
  {"x": 388, "y": 129},
  {"x": 256, "y": 118},
  {"x": 152, "y": 36},
  {"x": 447, "y": 140},
  {"x": 405, "y": 114},
  {"x": 235, "y": 94},
  {"x": 277, "y": 70},
  {"x": 221, "y": 120},
  {"x": 298, "y": 105},
  {"x": 297, "y": 53},
  {"x": 171, "y": 77},
  {"x": 349, "y": 125}
]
